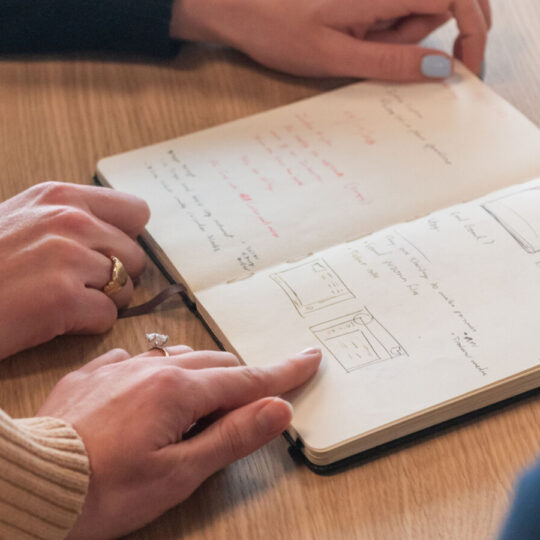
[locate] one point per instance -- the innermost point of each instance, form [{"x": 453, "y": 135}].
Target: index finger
[
  {"x": 122, "y": 210},
  {"x": 486, "y": 9},
  {"x": 472, "y": 20},
  {"x": 473, "y": 28},
  {"x": 231, "y": 387}
]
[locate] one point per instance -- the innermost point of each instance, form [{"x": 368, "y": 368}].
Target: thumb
[
  {"x": 387, "y": 61},
  {"x": 235, "y": 435}
]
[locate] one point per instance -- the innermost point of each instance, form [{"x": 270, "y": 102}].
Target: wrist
[
  {"x": 48, "y": 459},
  {"x": 191, "y": 20}
]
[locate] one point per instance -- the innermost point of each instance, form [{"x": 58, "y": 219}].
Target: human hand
[
  {"x": 132, "y": 415},
  {"x": 351, "y": 38},
  {"x": 55, "y": 241}
]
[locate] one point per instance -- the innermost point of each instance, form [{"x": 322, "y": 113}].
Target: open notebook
[{"x": 397, "y": 227}]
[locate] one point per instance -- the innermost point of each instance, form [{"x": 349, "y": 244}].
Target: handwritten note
[
  {"x": 418, "y": 313},
  {"x": 338, "y": 221},
  {"x": 242, "y": 197}
]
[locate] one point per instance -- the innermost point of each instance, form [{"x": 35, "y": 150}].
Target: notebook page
[
  {"x": 238, "y": 198},
  {"x": 407, "y": 318}
]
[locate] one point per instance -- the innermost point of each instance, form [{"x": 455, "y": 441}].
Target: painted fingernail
[
  {"x": 273, "y": 417},
  {"x": 436, "y": 66},
  {"x": 311, "y": 351}
]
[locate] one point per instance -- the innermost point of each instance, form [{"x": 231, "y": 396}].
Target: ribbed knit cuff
[{"x": 44, "y": 475}]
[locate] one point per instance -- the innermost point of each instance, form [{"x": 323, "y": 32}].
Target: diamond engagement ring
[{"x": 157, "y": 341}]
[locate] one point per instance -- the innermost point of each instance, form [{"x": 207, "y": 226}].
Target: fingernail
[
  {"x": 273, "y": 417},
  {"x": 436, "y": 66},
  {"x": 483, "y": 70},
  {"x": 310, "y": 351}
]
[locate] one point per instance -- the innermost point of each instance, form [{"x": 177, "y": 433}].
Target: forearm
[
  {"x": 44, "y": 474},
  {"x": 67, "y": 25}
]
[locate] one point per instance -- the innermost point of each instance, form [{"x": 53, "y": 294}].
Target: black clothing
[{"x": 141, "y": 26}]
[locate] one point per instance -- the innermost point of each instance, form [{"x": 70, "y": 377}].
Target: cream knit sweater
[{"x": 44, "y": 474}]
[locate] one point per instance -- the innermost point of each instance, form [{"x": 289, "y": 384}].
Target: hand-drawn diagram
[
  {"x": 519, "y": 214},
  {"x": 358, "y": 340},
  {"x": 312, "y": 286}
]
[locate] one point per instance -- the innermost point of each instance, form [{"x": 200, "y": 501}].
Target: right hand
[
  {"x": 344, "y": 38},
  {"x": 55, "y": 243},
  {"x": 133, "y": 415}
]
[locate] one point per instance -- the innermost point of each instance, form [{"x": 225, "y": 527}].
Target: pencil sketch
[
  {"x": 518, "y": 213},
  {"x": 358, "y": 340},
  {"x": 311, "y": 286}
]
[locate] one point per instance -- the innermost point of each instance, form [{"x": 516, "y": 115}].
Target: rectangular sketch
[
  {"x": 312, "y": 286},
  {"x": 519, "y": 214},
  {"x": 358, "y": 340}
]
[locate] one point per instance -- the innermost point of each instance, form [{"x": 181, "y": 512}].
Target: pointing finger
[{"x": 228, "y": 388}]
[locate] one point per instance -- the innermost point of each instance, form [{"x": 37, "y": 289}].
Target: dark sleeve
[
  {"x": 523, "y": 522},
  {"x": 140, "y": 26}
]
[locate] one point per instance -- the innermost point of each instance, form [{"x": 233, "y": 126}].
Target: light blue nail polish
[{"x": 436, "y": 66}]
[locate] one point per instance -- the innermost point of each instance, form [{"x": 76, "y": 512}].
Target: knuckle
[
  {"x": 60, "y": 255},
  {"x": 55, "y": 192},
  {"x": 72, "y": 219},
  {"x": 224, "y": 358},
  {"x": 61, "y": 248},
  {"x": 118, "y": 352},
  {"x": 167, "y": 379},
  {"x": 257, "y": 378},
  {"x": 231, "y": 358},
  {"x": 72, "y": 378}
]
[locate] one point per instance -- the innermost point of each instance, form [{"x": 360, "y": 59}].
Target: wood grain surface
[{"x": 58, "y": 116}]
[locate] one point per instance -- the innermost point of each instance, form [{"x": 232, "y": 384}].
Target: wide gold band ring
[{"x": 119, "y": 277}]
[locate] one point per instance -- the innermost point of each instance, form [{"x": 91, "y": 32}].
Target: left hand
[
  {"x": 133, "y": 414},
  {"x": 345, "y": 38}
]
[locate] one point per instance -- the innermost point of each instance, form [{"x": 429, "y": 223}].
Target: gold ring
[
  {"x": 119, "y": 277},
  {"x": 162, "y": 349}
]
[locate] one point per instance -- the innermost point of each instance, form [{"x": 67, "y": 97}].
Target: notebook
[{"x": 396, "y": 227}]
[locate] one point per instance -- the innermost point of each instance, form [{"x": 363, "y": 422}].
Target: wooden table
[{"x": 59, "y": 115}]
